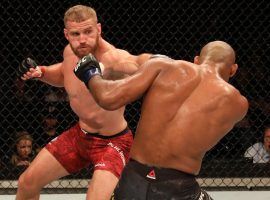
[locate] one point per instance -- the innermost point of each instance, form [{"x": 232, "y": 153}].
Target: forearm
[
  {"x": 127, "y": 65},
  {"x": 112, "y": 95},
  {"x": 52, "y": 75},
  {"x": 107, "y": 93}
]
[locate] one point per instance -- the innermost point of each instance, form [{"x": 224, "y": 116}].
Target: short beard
[{"x": 92, "y": 50}]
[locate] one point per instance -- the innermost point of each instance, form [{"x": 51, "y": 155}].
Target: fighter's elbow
[
  {"x": 108, "y": 106},
  {"x": 111, "y": 107},
  {"x": 108, "y": 102}
]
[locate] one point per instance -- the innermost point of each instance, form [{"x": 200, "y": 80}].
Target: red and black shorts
[{"x": 75, "y": 149}]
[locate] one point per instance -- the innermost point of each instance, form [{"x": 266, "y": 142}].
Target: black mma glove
[
  {"x": 86, "y": 68},
  {"x": 25, "y": 65}
]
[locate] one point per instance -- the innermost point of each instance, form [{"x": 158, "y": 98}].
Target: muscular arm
[
  {"x": 236, "y": 106},
  {"x": 241, "y": 106},
  {"x": 53, "y": 75},
  {"x": 48, "y": 74},
  {"x": 133, "y": 63},
  {"x": 119, "y": 63},
  {"x": 112, "y": 95}
]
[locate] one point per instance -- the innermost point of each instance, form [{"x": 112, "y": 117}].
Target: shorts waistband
[
  {"x": 161, "y": 174},
  {"x": 126, "y": 130}
]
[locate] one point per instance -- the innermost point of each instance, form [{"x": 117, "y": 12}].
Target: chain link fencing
[{"x": 175, "y": 28}]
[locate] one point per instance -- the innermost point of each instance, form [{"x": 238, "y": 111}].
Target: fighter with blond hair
[{"x": 100, "y": 138}]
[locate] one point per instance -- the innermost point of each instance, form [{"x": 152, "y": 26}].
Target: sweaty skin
[
  {"x": 92, "y": 117},
  {"x": 174, "y": 129},
  {"x": 83, "y": 33},
  {"x": 187, "y": 108},
  {"x": 117, "y": 63}
]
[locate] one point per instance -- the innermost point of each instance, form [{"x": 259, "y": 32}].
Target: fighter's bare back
[{"x": 177, "y": 113}]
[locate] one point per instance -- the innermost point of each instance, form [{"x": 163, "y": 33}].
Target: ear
[
  {"x": 233, "y": 70},
  {"x": 99, "y": 28},
  {"x": 66, "y": 33},
  {"x": 196, "y": 60}
]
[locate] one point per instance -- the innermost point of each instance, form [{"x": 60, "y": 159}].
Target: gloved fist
[
  {"x": 86, "y": 68},
  {"x": 25, "y": 66}
]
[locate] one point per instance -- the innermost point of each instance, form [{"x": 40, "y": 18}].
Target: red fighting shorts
[{"x": 75, "y": 149}]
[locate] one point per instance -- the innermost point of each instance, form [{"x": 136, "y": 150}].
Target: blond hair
[
  {"x": 23, "y": 135},
  {"x": 79, "y": 13}
]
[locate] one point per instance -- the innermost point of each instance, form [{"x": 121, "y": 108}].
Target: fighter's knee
[
  {"x": 26, "y": 181},
  {"x": 22, "y": 181}
]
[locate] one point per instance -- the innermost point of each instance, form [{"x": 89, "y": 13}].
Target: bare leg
[
  {"x": 43, "y": 170},
  {"x": 102, "y": 185}
]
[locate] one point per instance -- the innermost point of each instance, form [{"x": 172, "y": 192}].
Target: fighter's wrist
[
  {"x": 42, "y": 71},
  {"x": 91, "y": 73}
]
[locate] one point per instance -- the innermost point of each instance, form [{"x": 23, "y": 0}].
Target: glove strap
[
  {"x": 42, "y": 70},
  {"x": 90, "y": 73}
]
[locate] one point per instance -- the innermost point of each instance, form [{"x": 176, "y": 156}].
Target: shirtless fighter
[
  {"x": 100, "y": 137},
  {"x": 187, "y": 108}
]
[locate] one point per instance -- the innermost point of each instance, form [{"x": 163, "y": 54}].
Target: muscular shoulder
[
  {"x": 164, "y": 63},
  {"x": 70, "y": 59},
  {"x": 234, "y": 94},
  {"x": 240, "y": 100},
  {"x": 68, "y": 52},
  {"x": 120, "y": 61},
  {"x": 238, "y": 103},
  {"x": 168, "y": 64},
  {"x": 114, "y": 56},
  {"x": 172, "y": 71},
  {"x": 183, "y": 69}
]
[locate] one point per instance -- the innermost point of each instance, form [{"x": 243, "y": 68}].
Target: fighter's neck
[
  {"x": 103, "y": 47},
  {"x": 215, "y": 69}
]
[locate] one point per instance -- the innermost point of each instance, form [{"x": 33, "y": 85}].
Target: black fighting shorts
[{"x": 141, "y": 182}]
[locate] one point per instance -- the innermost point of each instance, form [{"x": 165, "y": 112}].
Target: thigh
[
  {"x": 177, "y": 189},
  {"x": 131, "y": 186},
  {"x": 101, "y": 185},
  {"x": 113, "y": 155},
  {"x": 65, "y": 150},
  {"x": 44, "y": 169}
]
